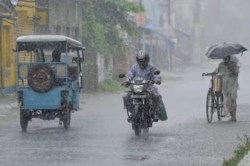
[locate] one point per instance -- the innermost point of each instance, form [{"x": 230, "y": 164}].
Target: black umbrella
[{"x": 223, "y": 50}]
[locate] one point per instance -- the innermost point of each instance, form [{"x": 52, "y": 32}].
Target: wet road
[{"x": 100, "y": 135}]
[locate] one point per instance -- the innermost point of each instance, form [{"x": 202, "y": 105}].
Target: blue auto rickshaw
[{"x": 49, "y": 77}]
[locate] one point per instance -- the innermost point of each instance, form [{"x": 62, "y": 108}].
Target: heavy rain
[{"x": 124, "y": 82}]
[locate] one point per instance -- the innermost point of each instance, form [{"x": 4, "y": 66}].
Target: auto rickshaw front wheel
[{"x": 24, "y": 120}]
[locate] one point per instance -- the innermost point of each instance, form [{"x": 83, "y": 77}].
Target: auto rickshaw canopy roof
[{"x": 29, "y": 42}]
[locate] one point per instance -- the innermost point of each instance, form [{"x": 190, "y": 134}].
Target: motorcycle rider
[
  {"x": 144, "y": 70},
  {"x": 229, "y": 69}
]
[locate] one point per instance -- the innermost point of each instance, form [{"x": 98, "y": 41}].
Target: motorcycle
[{"x": 141, "y": 104}]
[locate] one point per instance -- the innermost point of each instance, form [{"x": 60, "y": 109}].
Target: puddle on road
[
  {"x": 136, "y": 158},
  {"x": 3, "y": 116}
]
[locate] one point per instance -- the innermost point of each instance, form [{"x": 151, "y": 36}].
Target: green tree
[{"x": 104, "y": 21}]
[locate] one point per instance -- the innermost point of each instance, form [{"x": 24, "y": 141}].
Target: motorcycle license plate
[{"x": 138, "y": 96}]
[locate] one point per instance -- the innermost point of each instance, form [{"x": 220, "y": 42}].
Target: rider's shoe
[
  {"x": 156, "y": 118},
  {"x": 222, "y": 115},
  {"x": 233, "y": 117},
  {"x": 225, "y": 114},
  {"x": 129, "y": 119}
]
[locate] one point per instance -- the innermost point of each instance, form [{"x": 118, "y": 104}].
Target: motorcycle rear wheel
[{"x": 145, "y": 130}]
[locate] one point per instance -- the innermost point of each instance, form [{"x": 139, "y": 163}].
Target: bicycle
[{"x": 214, "y": 101}]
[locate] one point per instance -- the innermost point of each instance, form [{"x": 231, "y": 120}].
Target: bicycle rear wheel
[
  {"x": 210, "y": 106},
  {"x": 219, "y": 106}
]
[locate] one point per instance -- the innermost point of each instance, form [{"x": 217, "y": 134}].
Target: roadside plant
[
  {"x": 105, "y": 21},
  {"x": 110, "y": 85},
  {"x": 239, "y": 153}
]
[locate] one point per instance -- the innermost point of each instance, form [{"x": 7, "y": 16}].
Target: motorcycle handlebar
[{"x": 126, "y": 84}]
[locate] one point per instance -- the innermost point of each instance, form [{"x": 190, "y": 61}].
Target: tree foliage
[{"x": 104, "y": 21}]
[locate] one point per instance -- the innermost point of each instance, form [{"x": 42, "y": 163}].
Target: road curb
[
  {"x": 7, "y": 105},
  {"x": 171, "y": 76}
]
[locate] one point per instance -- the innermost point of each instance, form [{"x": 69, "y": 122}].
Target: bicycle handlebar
[
  {"x": 208, "y": 74},
  {"x": 212, "y": 74}
]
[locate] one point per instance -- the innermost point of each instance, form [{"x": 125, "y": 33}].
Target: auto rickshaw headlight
[
  {"x": 23, "y": 71},
  {"x": 60, "y": 70}
]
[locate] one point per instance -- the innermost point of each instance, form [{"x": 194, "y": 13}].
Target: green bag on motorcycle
[{"x": 162, "y": 112}]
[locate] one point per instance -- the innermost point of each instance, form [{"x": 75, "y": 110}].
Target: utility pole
[
  {"x": 169, "y": 56},
  {"x": 140, "y": 2},
  {"x": 197, "y": 11},
  {"x": 197, "y": 34},
  {"x": 143, "y": 31},
  {"x": 169, "y": 12}
]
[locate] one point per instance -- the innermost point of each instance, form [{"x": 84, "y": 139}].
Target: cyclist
[{"x": 229, "y": 69}]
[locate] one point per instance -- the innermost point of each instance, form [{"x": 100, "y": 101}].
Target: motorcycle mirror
[
  {"x": 157, "y": 72},
  {"x": 122, "y": 75}
]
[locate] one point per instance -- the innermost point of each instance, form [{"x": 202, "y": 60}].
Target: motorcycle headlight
[{"x": 137, "y": 88}]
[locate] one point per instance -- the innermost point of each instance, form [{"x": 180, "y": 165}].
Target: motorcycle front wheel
[{"x": 137, "y": 128}]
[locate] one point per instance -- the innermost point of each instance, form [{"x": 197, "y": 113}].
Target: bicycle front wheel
[{"x": 210, "y": 106}]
